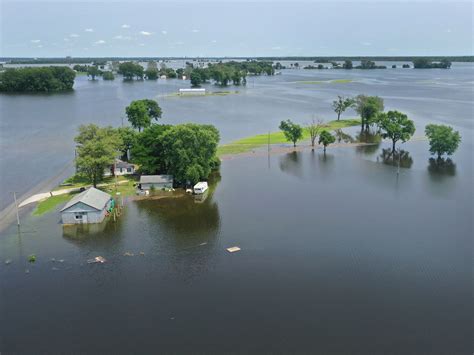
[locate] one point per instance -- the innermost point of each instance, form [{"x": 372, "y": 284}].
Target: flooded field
[{"x": 340, "y": 253}]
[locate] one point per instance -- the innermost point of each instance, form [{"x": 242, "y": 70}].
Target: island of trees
[
  {"x": 186, "y": 151},
  {"x": 43, "y": 79}
]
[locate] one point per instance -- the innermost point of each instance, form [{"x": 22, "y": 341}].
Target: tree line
[
  {"x": 186, "y": 151},
  {"x": 42, "y": 79},
  {"x": 392, "y": 125}
]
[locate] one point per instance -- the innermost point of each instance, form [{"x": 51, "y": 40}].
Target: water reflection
[
  {"x": 341, "y": 136},
  {"x": 291, "y": 163},
  {"x": 97, "y": 234},
  {"x": 373, "y": 140},
  {"x": 400, "y": 158},
  {"x": 441, "y": 167}
]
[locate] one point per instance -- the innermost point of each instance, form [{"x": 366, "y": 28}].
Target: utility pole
[{"x": 16, "y": 206}]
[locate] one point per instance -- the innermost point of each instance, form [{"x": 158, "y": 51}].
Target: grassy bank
[
  {"x": 247, "y": 144},
  {"x": 51, "y": 203}
]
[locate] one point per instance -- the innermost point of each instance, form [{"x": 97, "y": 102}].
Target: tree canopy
[
  {"x": 141, "y": 112},
  {"x": 293, "y": 132},
  {"x": 41, "y": 79},
  {"x": 130, "y": 70},
  {"x": 396, "y": 126},
  {"x": 93, "y": 71},
  {"x": 326, "y": 138},
  {"x": 368, "y": 107},
  {"x": 342, "y": 104},
  {"x": 443, "y": 139},
  {"x": 96, "y": 150}
]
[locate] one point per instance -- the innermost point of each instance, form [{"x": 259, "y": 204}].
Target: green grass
[
  {"x": 336, "y": 81},
  {"x": 247, "y": 144},
  {"x": 50, "y": 204}
]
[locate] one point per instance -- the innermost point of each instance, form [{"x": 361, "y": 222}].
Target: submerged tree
[
  {"x": 97, "y": 148},
  {"x": 93, "y": 71},
  {"x": 368, "y": 107},
  {"x": 314, "y": 128},
  {"x": 326, "y": 138},
  {"x": 141, "y": 112},
  {"x": 293, "y": 132},
  {"x": 342, "y": 104},
  {"x": 443, "y": 139},
  {"x": 396, "y": 126}
]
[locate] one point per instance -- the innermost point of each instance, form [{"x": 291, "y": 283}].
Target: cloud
[
  {"x": 213, "y": 41},
  {"x": 89, "y": 30},
  {"x": 164, "y": 32},
  {"x": 141, "y": 44},
  {"x": 448, "y": 30},
  {"x": 179, "y": 43},
  {"x": 100, "y": 41},
  {"x": 125, "y": 26},
  {"x": 40, "y": 46},
  {"x": 35, "y": 41},
  {"x": 145, "y": 33},
  {"x": 194, "y": 31},
  {"x": 276, "y": 48},
  {"x": 123, "y": 38},
  {"x": 366, "y": 43},
  {"x": 73, "y": 35},
  {"x": 66, "y": 39}
]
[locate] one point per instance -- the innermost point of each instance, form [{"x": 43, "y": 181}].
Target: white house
[
  {"x": 120, "y": 168},
  {"x": 157, "y": 181},
  {"x": 89, "y": 206}
]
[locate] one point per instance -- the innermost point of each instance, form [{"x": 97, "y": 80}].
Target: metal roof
[
  {"x": 156, "y": 179},
  {"x": 122, "y": 164},
  {"x": 92, "y": 197}
]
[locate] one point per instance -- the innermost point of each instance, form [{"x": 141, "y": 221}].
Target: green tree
[
  {"x": 292, "y": 131},
  {"x": 141, "y": 112},
  {"x": 129, "y": 139},
  {"x": 195, "y": 79},
  {"x": 368, "y": 107},
  {"x": 190, "y": 151},
  {"x": 443, "y": 139},
  {"x": 326, "y": 138},
  {"x": 347, "y": 64},
  {"x": 108, "y": 75},
  {"x": 148, "y": 150},
  {"x": 96, "y": 150},
  {"x": 396, "y": 126},
  {"x": 151, "y": 74},
  {"x": 129, "y": 70},
  {"x": 93, "y": 71},
  {"x": 342, "y": 104}
]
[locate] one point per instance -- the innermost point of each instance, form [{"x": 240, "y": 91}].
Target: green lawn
[
  {"x": 247, "y": 144},
  {"x": 50, "y": 203}
]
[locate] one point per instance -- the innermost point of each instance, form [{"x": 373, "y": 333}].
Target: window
[
  {"x": 129, "y": 170},
  {"x": 79, "y": 216},
  {"x": 120, "y": 169}
]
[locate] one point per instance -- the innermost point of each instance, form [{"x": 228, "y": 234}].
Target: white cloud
[
  {"x": 73, "y": 35},
  {"x": 89, "y": 30},
  {"x": 141, "y": 44},
  {"x": 125, "y": 26},
  {"x": 366, "y": 43},
  {"x": 66, "y": 39},
  {"x": 145, "y": 33},
  {"x": 276, "y": 48},
  {"x": 164, "y": 32},
  {"x": 448, "y": 30},
  {"x": 35, "y": 41},
  {"x": 179, "y": 43},
  {"x": 213, "y": 41},
  {"x": 100, "y": 41},
  {"x": 194, "y": 31},
  {"x": 40, "y": 46},
  {"x": 123, "y": 38}
]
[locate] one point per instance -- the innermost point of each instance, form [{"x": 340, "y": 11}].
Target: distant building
[
  {"x": 89, "y": 206},
  {"x": 192, "y": 91},
  {"x": 200, "y": 187},
  {"x": 120, "y": 168},
  {"x": 157, "y": 181}
]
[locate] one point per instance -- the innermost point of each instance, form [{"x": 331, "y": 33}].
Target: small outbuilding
[
  {"x": 157, "y": 181},
  {"x": 200, "y": 91},
  {"x": 120, "y": 168},
  {"x": 90, "y": 206}
]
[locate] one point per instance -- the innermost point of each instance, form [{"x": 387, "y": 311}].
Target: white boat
[{"x": 200, "y": 187}]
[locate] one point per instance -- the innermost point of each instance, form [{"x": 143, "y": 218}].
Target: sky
[{"x": 234, "y": 28}]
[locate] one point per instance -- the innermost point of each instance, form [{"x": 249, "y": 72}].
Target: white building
[
  {"x": 89, "y": 206},
  {"x": 157, "y": 181},
  {"x": 120, "y": 168},
  {"x": 197, "y": 91},
  {"x": 200, "y": 187}
]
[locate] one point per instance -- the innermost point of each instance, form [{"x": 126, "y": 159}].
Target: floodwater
[{"x": 340, "y": 253}]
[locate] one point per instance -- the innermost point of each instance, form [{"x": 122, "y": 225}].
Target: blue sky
[{"x": 234, "y": 28}]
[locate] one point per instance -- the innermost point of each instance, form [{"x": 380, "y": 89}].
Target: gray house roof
[
  {"x": 156, "y": 179},
  {"x": 92, "y": 197},
  {"x": 122, "y": 164}
]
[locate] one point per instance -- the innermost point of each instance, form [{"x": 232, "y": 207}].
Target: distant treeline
[
  {"x": 43, "y": 79},
  {"x": 317, "y": 59}
]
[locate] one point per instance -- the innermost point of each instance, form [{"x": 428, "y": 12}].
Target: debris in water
[
  {"x": 61, "y": 260},
  {"x": 202, "y": 244},
  {"x": 27, "y": 271},
  {"x": 128, "y": 254},
  {"x": 8, "y": 262},
  {"x": 97, "y": 259},
  {"x": 233, "y": 249},
  {"x": 32, "y": 258},
  {"x": 142, "y": 253},
  {"x": 52, "y": 260},
  {"x": 55, "y": 269}
]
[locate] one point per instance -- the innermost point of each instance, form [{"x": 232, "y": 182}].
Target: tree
[
  {"x": 129, "y": 70},
  {"x": 93, "y": 71},
  {"x": 96, "y": 151},
  {"x": 292, "y": 131},
  {"x": 148, "y": 150},
  {"x": 342, "y": 104},
  {"x": 326, "y": 138},
  {"x": 314, "y": 128},
  {"x": 151, "y": 74},
  {"x": 443, "y": 139},
  {"x": 141, "y": 112},
  {"x": 108, "y": 75},
  {"x": 41, "y": 79},
  {"x": 190, "y": 151},
  {"x": 196, "y": 79},
  {"x": 396, "y": 126},
  {"x": 368, "y": 107},
  {"x": 347, "y": 64},
  {"x": 129, "y": 139}
]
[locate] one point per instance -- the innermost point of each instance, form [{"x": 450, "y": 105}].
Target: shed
[
  {"x": 157, "y": 181},
  {"x": 89, "y": 206}
]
